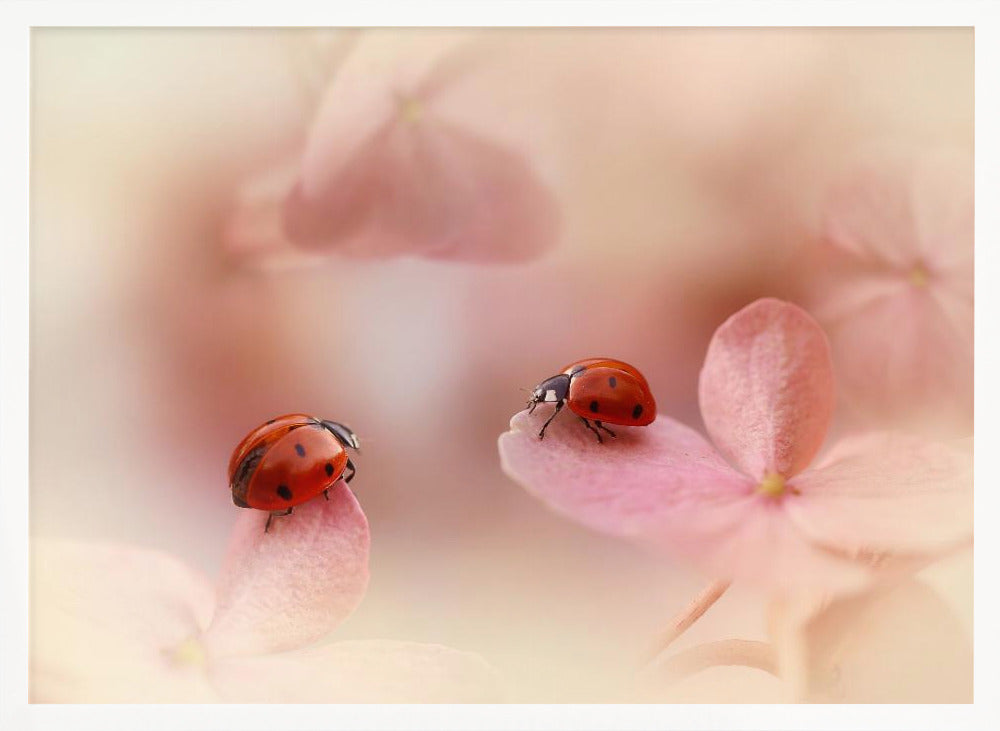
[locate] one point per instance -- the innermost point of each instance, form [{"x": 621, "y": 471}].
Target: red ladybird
[
  {"x": 599, "y": 390},
  {"x": 289, "y": 460}
]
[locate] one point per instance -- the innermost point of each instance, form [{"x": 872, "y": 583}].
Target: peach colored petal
[
  {"x": 874, "y": 648},
  {"x": 871, "y": 216},
  {"x": 106, "y": 621},
  {"x": 428, "y": 188},
  {"x": 766, "y": 388},
  {"x": 886, "y": 493},
  {"x": 282, "y": 589},
  {"x": 665, "y": 485},
  {"x": 370, "y": 671},
  {"x": 254, "y": 234},
  {"x": 928, "y": 359},
  {"x": 899, "y": 212},
  {"x": 384, "y": 68}
]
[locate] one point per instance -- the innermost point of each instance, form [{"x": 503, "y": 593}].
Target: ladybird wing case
[
  {"x": 266, "y": 434},
  {"x": 298, "y": 467},
  {"x": 621, "y": 365},
  {"x": 612, "y": 395}
]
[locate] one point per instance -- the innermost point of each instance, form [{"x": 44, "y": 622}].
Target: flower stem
[
  {"x": 680, "y": 623},
  {"x": 745, "y": 653}
]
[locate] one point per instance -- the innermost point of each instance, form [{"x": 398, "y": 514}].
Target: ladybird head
[
  {"x": 551, "y": 390},
  {"x": 343, "y": 433}
]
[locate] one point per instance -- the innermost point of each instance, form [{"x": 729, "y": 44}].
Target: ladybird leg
[
  {"x": 350, "y": 466},
  {"x": 601, "y": 426},
  {"x": 271, "y": 517},
  {"x": 541, "y": 434},
  {"x": 590, "y": 426}
]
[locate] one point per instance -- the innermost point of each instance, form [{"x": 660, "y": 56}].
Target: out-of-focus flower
[
  {"x": 754, "y": 506},
  {"x": 898, "y": 643},
  {"x": 117, "y": 624},
  {"x": 402, "y": 160},
  {"x": 896, "y": 290}
]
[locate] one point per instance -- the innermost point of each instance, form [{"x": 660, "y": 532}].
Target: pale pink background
[{"x": 687, "y": 163}]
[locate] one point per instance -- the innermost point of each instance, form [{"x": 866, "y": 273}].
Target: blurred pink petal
[
  {"x": 874, "y": 648},
  {"x": 371, "y": 671},
  {"x": 428, "y": 188},
  {"x": 255, "y": 234},
  {"x": 384, "y": 68},
  {"x": 900, "y": 261},
  {"x": 393, "y": 166},
  {"x": 292, "y": 585},
  {"x": 106, "y": 623},
  {"x": 120, "y": 625},
  {"x": 887, "y": 492},
  {"x": 770, "y": 524},
  {"x": 766, "y": 389}
]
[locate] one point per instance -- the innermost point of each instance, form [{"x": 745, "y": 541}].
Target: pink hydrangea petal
[
  {"x": 625, "y": 487},
  {"x": 254, "y": 235},
  {"x": 927, "y": 361},
  {"x": 384, "y": 67},
  {"x": 942, "y": 189},
  {"x": 292, "y": 585},
  {"x": 106, "y": 620},
  {"x": 665, "y": 485},
  {"x": 766, "y": 388},
  {"x": 373, "y": 671},
  {"x": 432, "y": 189},
  {"x": 870, "y": 216},
  {"x": 886, "y": 493},
  {"x": 874, "y": 648},
  {"x": 898, "y": 211}
]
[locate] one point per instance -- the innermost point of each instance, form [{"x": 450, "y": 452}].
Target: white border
[{"x": 15, "y": 20}]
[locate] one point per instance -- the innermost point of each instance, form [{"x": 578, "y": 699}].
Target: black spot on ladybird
[
  {"x": 329, "y": 470},
  {"x": 637, "y": 411},
  {"x": 284, "y": 492},
  {"x": 594, "y": 406},
  {"x": 300, "y": 450},
  {"x": 613, "y": 382},
  {"x": 271, "y": 421}
]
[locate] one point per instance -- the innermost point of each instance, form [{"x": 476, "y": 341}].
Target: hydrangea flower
[
  {"x": 404, "y": 157},
  {"x": 120, "y": 624},
  {"x": 755, "y": 502},
  {"x": 895, "y": 291}
]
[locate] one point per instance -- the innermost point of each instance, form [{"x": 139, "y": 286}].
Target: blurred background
[{"x": 687, "y": 165}]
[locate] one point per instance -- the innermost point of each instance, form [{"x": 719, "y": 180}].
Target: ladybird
[
  {"x": 289, "y": 460},
  {"x": 599, "y": 390}
]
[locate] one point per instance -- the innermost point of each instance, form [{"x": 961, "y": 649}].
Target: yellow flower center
[
  {"x": 190, "y": 652},
  {"x": 410, "y": 109},
  {"x": 919, "y": 276},
  {"x": 772, "y": 485}
]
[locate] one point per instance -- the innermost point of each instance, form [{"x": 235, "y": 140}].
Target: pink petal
[
  {"x": 432, "y": 189},
  {"x": 384, "y": 67},
  {"x": 385, "y": 172},
  {"x": 664, "y": 484},
  {"x": 896, "y": 644},
  {"x": 870, "y": 215},
  {"x": 106, "y": 621},
  {"x": 254, "y": 235},
  {"x": 886, "y": 493},
  {"x": 923, "y": 370},
  {"x": 899, "y": 211},
  {"x": 374, "y": 671},
  {"x": 766, "y": 389},
  {"x": 282, "y": 589}
]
